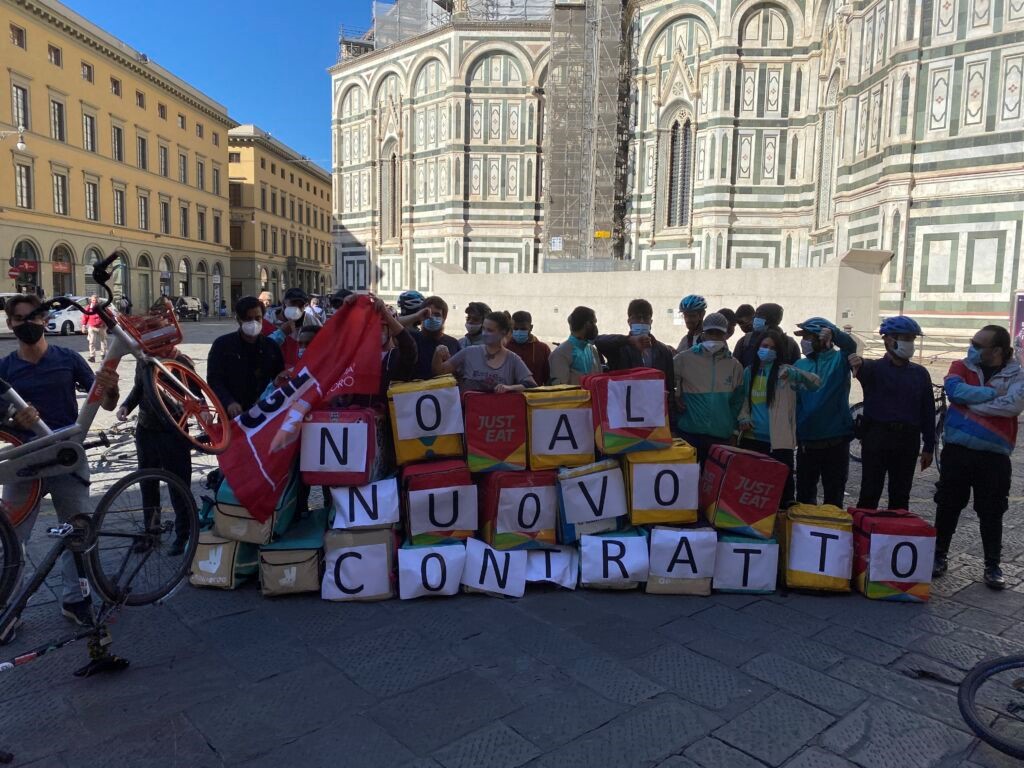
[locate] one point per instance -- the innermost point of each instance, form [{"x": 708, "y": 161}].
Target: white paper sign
[
  {"x": 683, "y": 554},
  {"x": 613, "y": 559},
  {"x": 901, "y": 558},
  {"x": 362, "y": 506},
  {"x": 527, "y": 510},
  {"x": 636, "y": 403},
  {"x": 595, "y": 496},
  {"x": 820, "y": 550},
  {"x": 501, "y": 572},
  {"x": 560, "y": 566},
  {"x": 665, "y": 486},
  {"x": 333, "y": 447},
  {"x": 746, "y": 565},
  {"x": 355, "y": 573},
  {"x": 430, "y": 413},
  {"x": 443, "y": 509},
  {"x": 561, "y": 432},
  {"x": 430, "y": 571}
]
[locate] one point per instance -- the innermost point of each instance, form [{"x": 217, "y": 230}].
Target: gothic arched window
[
  {"x": 389, "y": 198},
  {"x": 680, "y": 181}
]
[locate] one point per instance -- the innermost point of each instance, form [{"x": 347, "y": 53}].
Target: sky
[{"x": 264, "y": 60}]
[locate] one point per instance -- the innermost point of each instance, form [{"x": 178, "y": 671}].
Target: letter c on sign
[
  {"x": 437, "y": 413},
  {"x": 337, "y": 574},
  {"x": 443, "y": 571}
]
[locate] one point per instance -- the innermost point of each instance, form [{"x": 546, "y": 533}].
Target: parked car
[
  {"x": 4, "y": 330},
  {"x": 188, "y": 308},
  {"x": 67, "y": 321}
]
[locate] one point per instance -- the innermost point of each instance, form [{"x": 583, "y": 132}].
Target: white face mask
[
  {"x": 293, "y": 313},
  {"x": 712, "y": 346},
  {"x": 252, "y": 327},
  {"x": 904, "y": 350},
  {"x": 807, "y": 347}
]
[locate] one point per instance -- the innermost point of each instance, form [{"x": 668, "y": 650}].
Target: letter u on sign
[
  {"x": 429, "y": 413},
  {"x": 636, "y": 403},
  {"x": 443, "y": 509},
  {"x": 901, "y": 558}
]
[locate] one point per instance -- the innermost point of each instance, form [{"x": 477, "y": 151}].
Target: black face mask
[{"x": 29, "y": 333}]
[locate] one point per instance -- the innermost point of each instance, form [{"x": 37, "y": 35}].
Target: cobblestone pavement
[{"x": 583, "y": 678}]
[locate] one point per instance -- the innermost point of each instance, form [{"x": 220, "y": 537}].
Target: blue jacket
[
  {"x": 824, "y": 413},
  {"x": 983, "y": 417}
]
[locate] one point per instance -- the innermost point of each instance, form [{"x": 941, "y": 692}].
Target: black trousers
[
  {"x": 162, "y": 450},
  {"x": 827, "y": 461},
  {"x": 702, "y": 443},
  {"x": 892, "y": 452},
  {"x": 987, "y": 475},
  {"x": 785, "y": 455}
]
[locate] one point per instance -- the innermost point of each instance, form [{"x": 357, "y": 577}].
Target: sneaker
[
  {"x": 994, "y": 577},
  {"x": 80, "y": 613},
  {"x": 940, "y": 566},
  {"x": 12, "y": 633},
  {"x": 177, "y": 547}
]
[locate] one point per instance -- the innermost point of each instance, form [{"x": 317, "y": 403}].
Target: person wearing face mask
[
  {"x": 535, "y": 353},
  {"x": 745, "y": 318},
  {"x": 487, "y": 367},
  {"x": 709, "y": 389},
  {"x": 577, "y": 356},
  {"x": 767, "y": 317},
  {"x": 47, "y": 378},
  {"x": 768, "y": 415},
  {"x": 986, "y": 397},
  {"x": 638, "y": 348},
  {"x": 431, "y": 335},
  {"x": 243, "y": 363},
  {"x": 899, "y": 416},
  {"x": 730, "y": 318},
  {"x": 267, "y": 300},
  {"x": 95, "y": 330},
  {"x": 693, "y": 308},
  {"x": 823, "y": 423},
  {"x": 476, "y": 311},
  {"x": 297, "y": 316}
]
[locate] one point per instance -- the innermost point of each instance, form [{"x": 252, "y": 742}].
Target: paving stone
[
  {"x": 858, "y": 644},
  {"x": 496, "y": 746},
  {"x": 640, "y": 608},
  {"x": 701, "y": 680},
  {"x": 803, "y": 650},
  {"x": 820, "y": 606},
  {"x": 774, "y": 729},
  {"x": 787, "y": 618},
  {"x": 26, "y": 718},
  {"x": 985, "y": 756},
  {"x": 712, "y": 753},
  {"x": 442, "y": 711},
  {"x": 556, "y": 715},
  {"x": 677, "y": 761},
  {"x": 254, "y": 645},
  {"x": 885, "y": 735},
  {"x": 736, "y": 623},
  {"x": 813, "y": 757},
  {"x": 620, "y": 636},
  {"x": 656, "y": 729},
  {"x": 934, "y": 625},
  {"x": 389, "y": 661},
  {"x": 993, "y": 645},
  {"x": 351, "y": 740},
  {"x": 952, "y": 584},
  {"x": 725, "y": 648},
  {"x": 985, "y": 621},
  {"x": 561, "y": 607},
  {"x": 1005, "y": 602},
  {"x": 813, "y": 687},
  {"x": 517, "y": 673},
  {"x": 172, "y": 742},
  {"x": 610, "y": 678}
]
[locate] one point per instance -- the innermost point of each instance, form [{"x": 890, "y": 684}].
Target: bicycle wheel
[
  {"x": 10, "y": 560},
  {"x": 138, "y": 523},
  {"x": 996, "y": 686},
  {"x": 20, "y": 498},
  {"x": 856, "y": 410},
  {"x": 186, "y": 403},
  {"x": 940, "y": 438}
]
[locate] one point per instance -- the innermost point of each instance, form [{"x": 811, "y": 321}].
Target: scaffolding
[{"x": 398, "y": 20}]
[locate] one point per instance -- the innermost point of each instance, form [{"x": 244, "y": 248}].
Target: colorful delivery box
[
  {"x": 630, "y": 410},
  {"x": 344, "y": 446},
  {"x": 519, "y": 510},
  {"x": 561, "y": 429},
  {"x": 359, "y": 565},
  {"x": 893, "y": 552},
  {"x": 431, "y": 571},
  {"x": 440, "y": 502},
  {"x": 494, "y": 571},
  {"x": 817, "y": 543},
  {"x": 293, "y": 563},
  {"x": 377, "y": 505},
  {"x": 740, "y": 491},
  {"x": 663, "y": 485},
  {"x": 745, "y": 564},
  {"x": 426, "y": 419},
  {"x": 591, "y": 499},
  {"x": 496, "y": 431},
  {"x": 682, "y": 561},
  {"x": 614, "y": 560},
  {"x": 222, "y": 563}
]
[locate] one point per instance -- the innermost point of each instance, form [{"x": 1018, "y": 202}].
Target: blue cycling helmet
[
  {"x": 813, "y": 326},
  {"x": 693, "y": 303},
  {"x": 410, "y": 301},
  {"x": 900, "y": 324}
]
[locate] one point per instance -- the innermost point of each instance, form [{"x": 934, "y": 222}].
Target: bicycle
[
  {"x": 941, "y": 406},
  {"x": 999, "y": 685}
]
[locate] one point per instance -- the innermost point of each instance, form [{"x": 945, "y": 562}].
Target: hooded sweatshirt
[
  {"x": 711, "y": 389},
  {"x": 984, "y": 416},
  {"x": 824, "y": 413}
]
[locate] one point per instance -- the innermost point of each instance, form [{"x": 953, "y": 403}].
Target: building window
[
  {"x": 161, "y": 111},
  {"x": 292, "y": 179},
  {"x": 799, "y": 90},
  {"x": 57, "y": 131},
  {"x": 54, "y": 55},
  {"x": 165, "y": 217},
  {"x": 263, "y": 199},
  {"x": 117, "y": 143},
  {"x": 199, "y": 130},
  {"x": 200, "y": 174},
  {"x": 60, "y": 194},
  {"x": 23, "y": 185},
  {"x": 183, "y": 221},
  {"x": 115, "y": 86},
  {"x": 140, "y": 100},
  {"x": 263, "y": 239},
  {"x": 183, "y": 169},
  {"x": 18, "y": 36},
  {"x": 263, "y": 163},
  {"x": 793, "y": 159},
  {"x": 273, "y": 202},
  {"x": 201, "y": 225},
  {"x": 273, "y": 241},
  {"x": 119, "y": 207},
  {"x": 234, "y": 157},
  {"x": 235, "y": 194},
  {"x": 92, "y": 210},
  {"x": 89, "y": 133},
  {"x": 389, "y": 196},
  {"x": 904, "y": 103},
  {"x": 215, "y": 137},
  {"x": 142, "y": 152},
  {"x": 291, "y": 214},
  {"x": 88, "y": 73},
  {"x": 216, "y": 228},
  {"x": 679, "y": 168},
  {"x": 181, "y": 121},
  {"x": 161, "y": 154},
  {"x": 236, "y": 237},
  {"x": 143, "y": 212},
  {"x": 19, "y": 99},
  {"x": 215, "y": 178}
]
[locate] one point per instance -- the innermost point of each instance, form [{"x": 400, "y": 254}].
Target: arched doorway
[
  {"x": 92, "y": 255},
  {"x": 165, "y": 275},
  {"x": 184, "y": 278},
  {"x": 144, "y": 277},
  {"x": 26, "y": 267},
  {"x": 201, "y": 286},
  {"x": 218, "y": 289},
  {"x": 62, "y": 264}
]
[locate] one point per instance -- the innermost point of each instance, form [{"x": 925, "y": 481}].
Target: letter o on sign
[
  {"x": 666, "y": 501},
  {"x": 442, "y": 572},
  {"x": 437, "y": 413}
]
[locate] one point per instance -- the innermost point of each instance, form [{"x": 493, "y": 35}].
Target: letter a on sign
[
  {"x": 901, "y": 558},
  {"x": 430, "y": 413},
  {"x": 636, "y": 403},
  {"x": 561, "y": 432},
  {"x": 428, "y": 571},
  {"x": 501, "y": 572},
  {"x": 683, "y": 554}
]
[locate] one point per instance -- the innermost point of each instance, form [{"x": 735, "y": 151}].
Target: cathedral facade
[{"x": 752, "y": 135}]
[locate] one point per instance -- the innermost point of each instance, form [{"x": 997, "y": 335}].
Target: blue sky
[{"x": 264, "y": 60}]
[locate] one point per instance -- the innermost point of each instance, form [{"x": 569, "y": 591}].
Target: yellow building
[
  {"x": 118, "y": 155},
  {"x": 280, "y": 217}
]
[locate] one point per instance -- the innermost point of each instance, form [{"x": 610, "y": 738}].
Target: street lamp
[{"x": 21, "y": 137}]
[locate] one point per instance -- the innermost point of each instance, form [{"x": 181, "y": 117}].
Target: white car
[{"x": 68, "y": 320}]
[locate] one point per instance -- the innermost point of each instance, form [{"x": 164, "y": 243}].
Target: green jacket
[{"x": 710, "y": 391}]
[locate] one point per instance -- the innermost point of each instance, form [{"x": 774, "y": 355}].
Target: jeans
[
  {"x": 163, "y": 450},
  {"x": 783, "y": 455},
  {"x": 70, "y": 496},
  {"x": 827, "y": 461},
  {"x": 892, "y": 452},
  {"x": 987, "y": 475}
]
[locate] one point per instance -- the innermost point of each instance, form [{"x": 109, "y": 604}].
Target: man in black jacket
[
  {"x": 243, "y": 363},
  {"x": 639, "y": 349},
  {"x": 767, "y": 317}
]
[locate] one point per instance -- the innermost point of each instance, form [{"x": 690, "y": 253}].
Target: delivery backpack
[{"x": 232, "y": 521}]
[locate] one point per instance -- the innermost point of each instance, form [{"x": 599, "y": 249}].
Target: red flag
[{"x": 344, "y": 359}]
